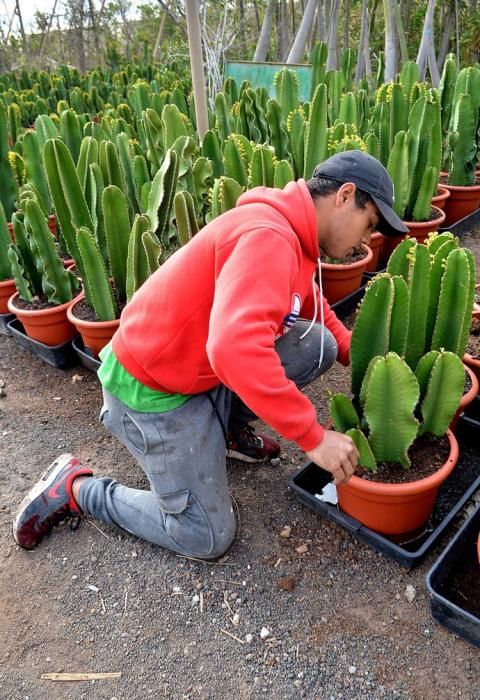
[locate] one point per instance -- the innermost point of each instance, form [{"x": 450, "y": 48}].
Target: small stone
[
  {"x": 286, "y": 583},
  {"x": 286, "y": 532},
  {"x": 74, "y": 577},
  {"x": 195, "y": 600},
  {"x": 264, "y": 633},
  {"x": 303, "y": 549},
  {"x": 235, "y": 619},
  {"x": 410, "y": 593},
  {"x": 249, "y": 657},
  {"x": 249, "y": 640},
  {"x": 77, "y": 378},
  {"x": 134, "y": 554},
  {"x": 93, "y": 588},
  {"x": 352, "y": 669},
  {"x": 176, "y": 589},
  {"x": 275, "y": 462}
]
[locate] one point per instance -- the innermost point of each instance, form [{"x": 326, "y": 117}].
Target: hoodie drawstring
[{"x": 315, "y": 309}]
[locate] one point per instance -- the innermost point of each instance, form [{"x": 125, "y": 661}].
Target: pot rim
[
  {"x": 425, "y": 224},
  {"x": 81, "y": 323},
  {"x": 352, "y": 266},
  {"x": 444, "y": 194},
  {"x": 420, "y": 485},
  {"x": 36, "y": 313},
  {"x": 473, "y": 391},
  {"x": 461, "y": 188}
]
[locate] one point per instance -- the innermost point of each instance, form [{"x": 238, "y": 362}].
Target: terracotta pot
[
  {"x": 462, "y": 201},
  {"x": 473, "y": 363},
  {"x": 52, "y": 225},
  {"x": 7, "y": 289},
  {"x": 467, "y": 398},
  {"x": 476, "y": 307},
  {"x": 95, "y": 334},
  {"x": 340, "y": 280},
  {"x": 441, "y": 197},
  {"x": 375, "y": 245},
  {"x": 395, "y": 509},
  {"x": 48, "y": 326},
  {"x": 416, "y": 229}
]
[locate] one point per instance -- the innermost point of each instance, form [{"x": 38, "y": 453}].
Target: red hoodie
[{"x": 211, "y": 313}]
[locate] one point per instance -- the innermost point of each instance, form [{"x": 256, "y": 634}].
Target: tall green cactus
[
  {"x": 7, "y": 184},
  {"x": 286, "y": 90},
  {"x": 318, "y": 59},
  {"x": 316, "y": 132},
  {"x": 5, "y": 240},
  {"x": 224, "y": 195},
  {"x": 137, "y": 268},
  {"x": 96, "y": 276},
  {"x": 461, "y": 144},
  {"x": 262, "y": 167},
  {"x": 160, "y": 199},
  {"x": 117, "y": 231},
  {"x": 278, "y": 133},
  {"x": 185, "y": 218}
]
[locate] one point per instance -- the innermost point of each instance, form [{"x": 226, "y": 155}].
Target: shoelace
[
  {"x": 59, "y": 516},
  {"x": 249, "y": 433}
]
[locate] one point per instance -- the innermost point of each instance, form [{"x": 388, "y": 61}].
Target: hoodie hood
[{"x": 295, "y": 204}]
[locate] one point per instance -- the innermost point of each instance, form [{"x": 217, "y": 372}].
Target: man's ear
[{"x": 345, "y": 192}]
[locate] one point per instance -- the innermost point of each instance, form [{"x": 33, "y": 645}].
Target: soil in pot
[
  {"x": 36, "y": 304},
  {"x": 473, "y": 345},
  {"x": 427, "y": 454},
  {"x": 84, "y": 312}
]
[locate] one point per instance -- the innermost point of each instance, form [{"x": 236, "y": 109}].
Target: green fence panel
[{"x": 262, "y": 74}]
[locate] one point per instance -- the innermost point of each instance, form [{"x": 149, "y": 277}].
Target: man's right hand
[{"x": 336, "y": 454}]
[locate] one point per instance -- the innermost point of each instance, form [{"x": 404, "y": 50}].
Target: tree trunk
[
  {"x": 158, "y": 42},
  {"x": 80, "y": 39},
  {"x": 346, "y": 26},
  {"x": 474, "y": 56},
  {"x": 332, "y": 35},
  {"x": 360, "y": 69},
  {"x": 22, "y": 29},
  {"x": 390, "y": 48},
  {"x": 196, "y": 63},
  {"x": 47, "y": 32},
  {"x": 427, "y": 40},
  {"x": 96, "y": 37},
  {"x": 320, "y": 21},
  {"x": 400, "y": 32},
  {"x": 241, "y": 11},
  {"x": 292, "y": 12},
  {"x": 445, "y": 40},
  {"x": 264, "y": 38},
  {"x": 257, "y": 16},
  {"x": 300, "y": 41}
]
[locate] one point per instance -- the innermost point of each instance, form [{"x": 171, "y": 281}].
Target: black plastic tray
[
  {"x": 84, "y": 355},
  {"x": 344, "y": 307},
  {"x": 59, "y": 356},
  {"x": 463, "y": 225},
  {"x": 458, "y": 559},
  {"x": 4, "y": 321},
  {"x": 468, "y": 426},
  {"x": 451, "y": 498}
]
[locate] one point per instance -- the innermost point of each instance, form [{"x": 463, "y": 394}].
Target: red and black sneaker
[
  {"x": 49, "y": 502},
  {"x": 245, "y": 445}
]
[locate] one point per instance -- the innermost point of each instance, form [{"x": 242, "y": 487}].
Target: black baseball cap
[{"x": 369, "y": 175}]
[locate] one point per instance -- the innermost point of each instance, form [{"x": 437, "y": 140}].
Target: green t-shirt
[{"x": 117, "y": 381}]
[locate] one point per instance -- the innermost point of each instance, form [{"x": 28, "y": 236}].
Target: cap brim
[{"x": 390, "y": 224}]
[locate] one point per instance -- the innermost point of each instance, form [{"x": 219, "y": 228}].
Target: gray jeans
[{"x": 182, "y": 452}]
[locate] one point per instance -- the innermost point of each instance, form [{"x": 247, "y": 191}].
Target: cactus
[
  {"x": 153, "y": 129},
  {"x": 286, "y": 90},
  {"x": 439, "y": 405},
  {"x": 185, "y": 216},
  {"x": 296, "y": 135},
  {"x": 398, "y": 169},
  {"x": 173, "y": 125},
  {"x": 224, "y": 195},
  {"x": 128, "y": 172},
  {"x": 318, "y": 59},
  {"x": 70, "y": 132},
  {"x": 137, "y": 269},
  {"x": 262, "y": 167},
  {"x": 161, "y": 196},
  {"x": 211, "y": 150},
  {"x": 224, "y": 122},
  {"x": 96, "y": 276},
  {"x": 252, "y": 117},
  {"x": 7, "y": 184},
  {"x": 236, "y": 160},
  {"x": 461, "y": 143},
  {"x": 283, "y": 174},
  {"x": 88, "y": 154},
  {"x": 117, "y": 232},
  {"x": 5, "y": 240},
  {"x": 316, "y": 133},
  {"x": 279, "y": 136}
]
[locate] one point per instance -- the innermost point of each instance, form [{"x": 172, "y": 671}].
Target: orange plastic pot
[
  {"x": 375, "y": 245},
  {"x": 340, "y": 280},
  {"x": 416, "y": 229},
  {"x": 467, "y": 398},
  {"x": 48, "y": 326},
  {"x": 7, "y": 289},
  {"x": 395, "y": 509},
  {"x": 95, "y": 334},
  {"x": 441, "y": 197},
  {"x": 462, "y": 201},
  {"x": 473, "y": 363}
]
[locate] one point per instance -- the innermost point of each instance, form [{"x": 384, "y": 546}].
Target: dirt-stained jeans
[{"x": 188, "y": 507}]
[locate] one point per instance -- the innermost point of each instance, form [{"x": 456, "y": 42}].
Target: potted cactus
[
  {"x": 7, "y": 283},
  {"x": 45, "y": 287},
  {"x": 461, "y": 147},
  {"x": 133, "y": 254},
  {"x": 396, "y": 414},
  {"x": 342, "y": 277}
]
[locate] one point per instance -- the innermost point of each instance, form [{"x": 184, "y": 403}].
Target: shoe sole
[
  {"x": 245, "y": 458},
  {"x": 49, "y": 475}
]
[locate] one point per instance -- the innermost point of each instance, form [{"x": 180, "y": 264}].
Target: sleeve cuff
[{"x": 311, "y": 438}]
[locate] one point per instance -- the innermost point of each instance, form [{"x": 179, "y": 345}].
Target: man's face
[{"x": 349, "y": 226}]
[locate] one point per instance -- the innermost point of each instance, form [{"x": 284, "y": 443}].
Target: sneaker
[
  {"x": 249, "y": 447},
  {"x": 49, "y": 502}
]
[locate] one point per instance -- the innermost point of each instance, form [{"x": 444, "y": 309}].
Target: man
[{"x": 212, "y": 340}]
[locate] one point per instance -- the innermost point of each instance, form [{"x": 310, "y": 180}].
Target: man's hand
[{"x": 336, "y": 454}]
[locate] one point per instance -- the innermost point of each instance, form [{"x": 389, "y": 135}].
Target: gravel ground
[{"x": 343, "y": 621}]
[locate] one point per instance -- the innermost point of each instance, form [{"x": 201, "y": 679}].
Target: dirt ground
[{"x": 97, "y": 600}]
